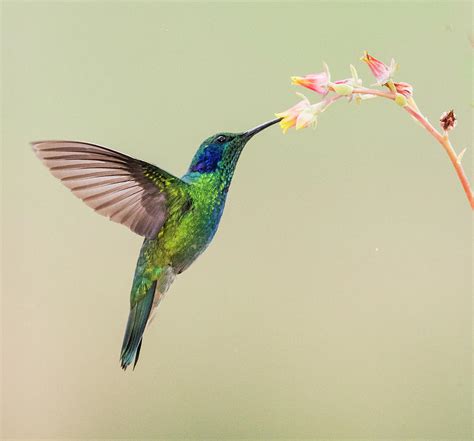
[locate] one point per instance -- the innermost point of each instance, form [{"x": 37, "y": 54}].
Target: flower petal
[
  {"x": 380, "y": 70},
  {"x": 317, "y": 82},
  {"x": 404, "y": 88},
  {"x": 305, "y": 119}
]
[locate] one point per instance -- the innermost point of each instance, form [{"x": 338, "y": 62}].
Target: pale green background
[{"x": 335, "y": 301}]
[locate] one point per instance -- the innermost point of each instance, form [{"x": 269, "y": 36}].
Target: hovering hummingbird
[{"x": 177, "y": 217}]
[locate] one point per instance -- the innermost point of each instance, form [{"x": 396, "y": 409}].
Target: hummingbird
[{"x": 178, "y": 217}]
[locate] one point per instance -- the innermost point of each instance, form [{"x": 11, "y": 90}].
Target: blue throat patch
[{"x": 208, "y": 159}]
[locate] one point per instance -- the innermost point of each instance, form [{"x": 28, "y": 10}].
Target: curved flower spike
[
  {"x": 317, "y": 82},
  {"x": 381, "y": 71}
]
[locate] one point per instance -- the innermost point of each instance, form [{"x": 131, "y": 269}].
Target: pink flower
[
  {"x": 404, "y": 88},
  {"x": 381, "y": 71},
  {"x": 301, "y": 115},
  {"x": 317, "y": 82},
  {"x": 291, "y": 115},
  {"x": 306, "y": 118}
]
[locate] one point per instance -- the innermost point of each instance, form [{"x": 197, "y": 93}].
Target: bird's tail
[
  {"x": 145, "y": 297},
  {"x": 137, "y": 320}
]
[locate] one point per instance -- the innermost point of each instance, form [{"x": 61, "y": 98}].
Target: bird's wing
[{"x": 128, "y": 191}]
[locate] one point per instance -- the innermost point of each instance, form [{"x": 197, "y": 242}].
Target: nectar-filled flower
[
  {"x": 301, "y": 115},
  {"x": 290, "y": 116},
  {"x": 306, "y": 118},
  {"x": 317, "y": 82},
  {"x": 381, "y": 71}
]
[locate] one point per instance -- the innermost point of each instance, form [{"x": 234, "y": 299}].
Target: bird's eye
[{"x": 221, "y": 139}]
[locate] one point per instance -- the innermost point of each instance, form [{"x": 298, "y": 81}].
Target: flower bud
[
  {"x": 317, "y": 82},
  {"x": 381, "y": 71},
  {"x": 404, "y": 88}
]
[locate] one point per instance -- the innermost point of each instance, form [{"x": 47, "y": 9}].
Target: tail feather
[
  {"x": 137, "y": 355},
  {"x": 136, "y": 324}
]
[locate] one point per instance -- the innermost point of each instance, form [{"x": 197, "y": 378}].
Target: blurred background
[{"x": 335, "y": 300}]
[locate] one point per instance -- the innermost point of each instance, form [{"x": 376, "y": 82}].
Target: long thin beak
[{"x": 255, "y": 130}]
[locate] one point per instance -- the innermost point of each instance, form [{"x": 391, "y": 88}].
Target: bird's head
[{"x": 222, "y": 150}]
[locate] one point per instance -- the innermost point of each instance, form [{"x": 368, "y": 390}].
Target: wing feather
[{"x": 126, "y": 190}]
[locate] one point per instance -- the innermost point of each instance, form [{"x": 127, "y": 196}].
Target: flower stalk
[{"x": 301, "y": 116}]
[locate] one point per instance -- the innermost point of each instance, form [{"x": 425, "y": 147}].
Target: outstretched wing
[{"x": 128, "y": 191}]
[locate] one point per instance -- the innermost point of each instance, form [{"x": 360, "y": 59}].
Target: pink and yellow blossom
[
  {"x": 304, "y": 114},
  {"x": 301, "y": 115},
  {"x": 306, "y": 118},
  {"x": 381, "y": 71},
  {"x": 317, "y": 82},
  {"x": 290, "y": 116}
]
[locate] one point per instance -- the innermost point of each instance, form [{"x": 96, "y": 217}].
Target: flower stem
[
  {"x": 446, "y": 144},
  {"x": 328, "y": 101},
  {"x": 442, "y": 139},
  {"x": 364, "y": 91}
]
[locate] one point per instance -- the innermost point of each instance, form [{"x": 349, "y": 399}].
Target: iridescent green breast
[{"x": 185, "y": 236}]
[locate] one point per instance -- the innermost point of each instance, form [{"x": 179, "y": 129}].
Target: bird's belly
[{"x": 187, "y": 240}]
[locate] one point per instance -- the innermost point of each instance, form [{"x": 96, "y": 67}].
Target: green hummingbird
[{"x": 177, "y": 217}]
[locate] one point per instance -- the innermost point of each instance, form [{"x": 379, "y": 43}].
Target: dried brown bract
[{"x": 448, "y": 121}]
